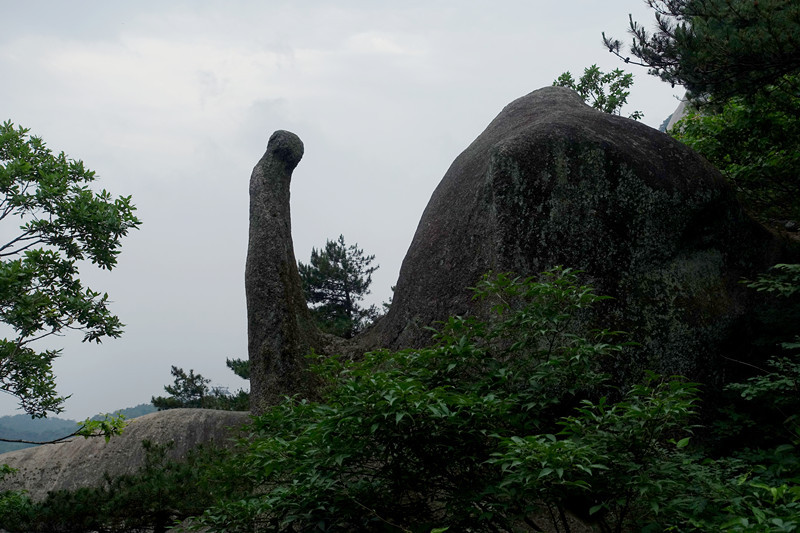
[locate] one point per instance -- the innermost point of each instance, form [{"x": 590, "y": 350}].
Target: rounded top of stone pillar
[{"x": 286, "y": 146}]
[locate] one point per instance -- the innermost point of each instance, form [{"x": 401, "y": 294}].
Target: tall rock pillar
[{"x": 279, "y": 327}]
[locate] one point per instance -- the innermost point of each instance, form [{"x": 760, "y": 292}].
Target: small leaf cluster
[
  {"x": 106, "y": 425},
  {"x": 781, "y": 280},
  {"x": 606, "y": 91}
]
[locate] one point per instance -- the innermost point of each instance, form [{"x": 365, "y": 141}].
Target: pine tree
[
  {"x": 740, "y": 63},
  {"x": 720, "y": 48},
  {"x": 335, "y": 281}
]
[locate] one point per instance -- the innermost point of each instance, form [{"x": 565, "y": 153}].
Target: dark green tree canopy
[
  {"x": 740, "y": 63},
  {"x": 60, "y": 221},
  {"x": 719, "y": 47},
  {"x": 755, "y": 143},
  {"x": 188, "y": 390},
  {"x": 335, "y": 281}
]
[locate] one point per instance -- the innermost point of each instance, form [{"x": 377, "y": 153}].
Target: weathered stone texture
[
  {"x": 279, "y": 326},
  {"x": 83, "y": 462},
  {"x": 552, "y": 181}
]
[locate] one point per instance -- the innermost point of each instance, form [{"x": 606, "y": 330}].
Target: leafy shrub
[
  {"x": 495, "y": 424},
  {"x": 507, "y": 424}
]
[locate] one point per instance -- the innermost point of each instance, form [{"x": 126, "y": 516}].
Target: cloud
[{"x": 173, "y": 103}]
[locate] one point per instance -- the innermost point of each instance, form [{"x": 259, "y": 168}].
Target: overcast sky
[{"x": 173, "y": 103}]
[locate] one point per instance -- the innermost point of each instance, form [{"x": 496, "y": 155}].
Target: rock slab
[{"x": 82, "y": 462}]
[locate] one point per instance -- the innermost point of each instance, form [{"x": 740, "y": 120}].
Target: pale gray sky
[{"x": 173, "y": 103}]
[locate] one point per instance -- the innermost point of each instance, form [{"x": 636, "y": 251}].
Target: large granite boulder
[
  {"x": 82, "y": 462},
  {"x": 552, "y": 181}
]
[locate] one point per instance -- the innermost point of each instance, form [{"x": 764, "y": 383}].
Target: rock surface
[
  {"x": 82, "y": 462},
  {"x": 552, "y": 181},
  {"x": 680, "y": 112},
  {"x": 279, "y": 327}
]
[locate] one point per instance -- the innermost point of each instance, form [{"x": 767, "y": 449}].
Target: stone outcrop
[
  {"x": 551, "y": 181},
  {"x": 279, "y": 326},
  {"x": 82, "y": 462}
]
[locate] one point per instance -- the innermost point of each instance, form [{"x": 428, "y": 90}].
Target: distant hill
[
  {"x": 23, "y": 427},
  {"x": 132, "y": 412}
]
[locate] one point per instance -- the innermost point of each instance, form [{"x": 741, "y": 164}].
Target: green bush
[
  {"x": 507, "y": 424},
  {"x": 490, "y": 429}
]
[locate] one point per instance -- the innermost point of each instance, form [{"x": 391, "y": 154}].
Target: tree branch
[{"x": 60, "y": 440}]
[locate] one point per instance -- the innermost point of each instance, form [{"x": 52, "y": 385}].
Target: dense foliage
[
  {"x": 335, "y": 281},
  {"x": 740, "y": 63},
  {"x": 721, "y": 48},
  {"x": 508, "y": 424},
  {"x": 501, "y": 426},
  {"x": 755, "y": 143},
  {"x": 406, "y": 438},
  {"x": 607, "y": 92},
  {"x": 61, "y": 223}
]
